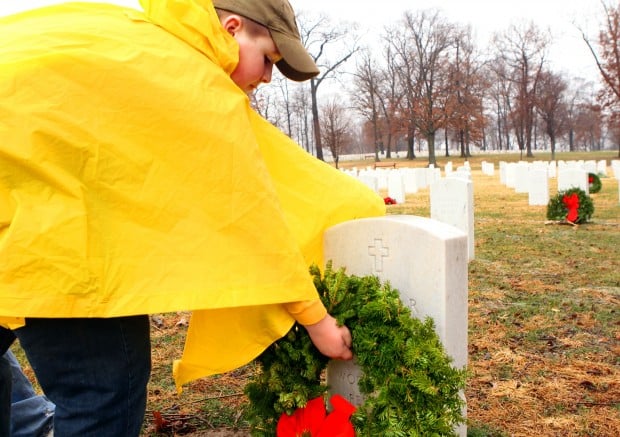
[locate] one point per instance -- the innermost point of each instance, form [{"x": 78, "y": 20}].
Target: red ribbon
[
  {"x": 313, "y": 421},
  {"x": 572, "y": 204}
]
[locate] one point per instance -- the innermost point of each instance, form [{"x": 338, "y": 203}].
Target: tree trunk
[
  {"x": 430, "y": 139},
  {"x": 410, "y": 143},
  {"x": 315, "y": 121}
]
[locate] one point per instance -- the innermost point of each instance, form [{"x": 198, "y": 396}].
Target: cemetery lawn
[
  {"x": 544, "y": 313},
  {"x": 544, "y": 323}
]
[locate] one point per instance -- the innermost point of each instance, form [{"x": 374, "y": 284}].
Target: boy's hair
[{"x": 279, "y": 18}]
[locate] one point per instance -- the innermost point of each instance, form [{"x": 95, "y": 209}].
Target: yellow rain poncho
[{"x": 135, "y": 178}]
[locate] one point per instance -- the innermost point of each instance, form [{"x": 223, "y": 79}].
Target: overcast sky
[{"x": 569, "y": 53}]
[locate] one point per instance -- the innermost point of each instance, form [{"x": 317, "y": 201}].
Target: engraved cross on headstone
[
  {"x": 379, "y": 252},
  {"x": 412, "y": 307}
]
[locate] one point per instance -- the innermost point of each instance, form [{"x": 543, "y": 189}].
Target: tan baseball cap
[{"x": 278, "y": 16}]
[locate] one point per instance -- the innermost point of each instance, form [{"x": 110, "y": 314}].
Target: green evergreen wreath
[
  {"x": 557, "y": 209},
  {"x": 415, "y": 389},
  {"x": 595, "y": 183}
]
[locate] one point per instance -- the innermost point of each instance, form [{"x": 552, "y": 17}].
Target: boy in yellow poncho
[{"x": 135, "y": 178}]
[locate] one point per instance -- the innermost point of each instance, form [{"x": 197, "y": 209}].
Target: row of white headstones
[
  {"x": 533, "y": 178},
  {"x": 426, "y": 258},
  {"x": 451, "y": 197}
]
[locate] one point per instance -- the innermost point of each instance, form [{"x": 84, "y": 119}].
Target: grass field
[{"x": 544, "y": 323}]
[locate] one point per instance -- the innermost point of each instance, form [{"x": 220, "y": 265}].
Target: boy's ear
[{"x": 232, "y": 23}]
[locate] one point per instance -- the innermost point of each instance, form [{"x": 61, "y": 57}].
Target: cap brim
[{"x": 296, "y": 62}]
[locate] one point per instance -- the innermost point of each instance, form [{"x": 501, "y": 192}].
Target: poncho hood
[{"x": 195, "y": 22}]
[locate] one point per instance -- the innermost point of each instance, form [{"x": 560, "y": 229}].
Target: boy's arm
[{"x": 330, "y": 339}]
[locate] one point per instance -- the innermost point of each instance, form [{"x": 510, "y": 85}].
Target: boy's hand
[{"x": 330, "y": 339}]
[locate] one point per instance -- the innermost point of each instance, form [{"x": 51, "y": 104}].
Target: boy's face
[{"x": 257, "y": 53}]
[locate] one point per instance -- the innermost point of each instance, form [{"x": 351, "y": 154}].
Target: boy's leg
[
  {"x": 22, "y": 387},
  {"x": 5, "y": 397},
  {"x": 94, "y": 370},
  {"x": 6, "y": 339},
  {"x": 31, "y": 414}
]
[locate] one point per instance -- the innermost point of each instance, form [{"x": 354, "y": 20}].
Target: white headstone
[
  {"x": 573, "y": 177},
  {"x": 396, "y": 186},
  {"x": 452, "y": 202},
  {"x": 420, "y": 177},
  {"x": 511, "y": 174},
  {"x": 615, "y": 168},
  {"x": 601, "y": 167},
  {"x": 461, "y": 172},
  {"x": 553, "y": 169},
  {"x": 502, "y": 172},
  {"x": 590, "y": 166},
  {"x": 432, "y": 174},
  {"x": 382, "y": 175},
  {"x": 409, "y": 180},
  {"x": 538, "y": 180},
  {"x": 369, "y": 179},
  {"x": 425, "y": 260},
  {"x": 521, "y": 177},
  {"x": 488, "y": 168}
]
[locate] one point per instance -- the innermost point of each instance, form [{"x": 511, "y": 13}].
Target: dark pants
[
  {"x": 5, "y": 397},
  {"x": 32, "y": 415},
  {"x": 95, "y": 370},
  {"x": 6, "y": 338}
]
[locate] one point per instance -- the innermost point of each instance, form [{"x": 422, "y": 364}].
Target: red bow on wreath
[
  {"x": 312, "y": 420},
  {"x": 572, "y": 204}
]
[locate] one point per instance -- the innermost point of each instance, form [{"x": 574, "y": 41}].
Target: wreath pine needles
[
  {"x": 410, "y": 385},
  {"x": 557, "y": 210},
  {"x": 594, "y": 182}
]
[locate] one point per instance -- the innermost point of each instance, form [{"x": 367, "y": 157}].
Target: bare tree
[
  {"x": 551, "y": 106},
  {"x": 466, "y": 87},
  {"x": 265, "y": 102},
  {"x": 336, "y": 127},
  {"x": 330, "y": 47},
  {"x": 389, "y": 98},
  {"x": 608, "y": 61},
  {"x": 274, "y": 103},
  {"x": 589, "y": 127},
  {"x": 523, "y": 49},
  {"x": 500, "y": 93},
  {"x": 283, "y": 86},
  {"x": 430, "y": 38},
  {"x": 302, "y": 114},
  {"x": 365, "y": 98},
  {"x": 406, "y": 69},
  {"x": 613, "y": 130},
  {"x": 571, "y": 115}
]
